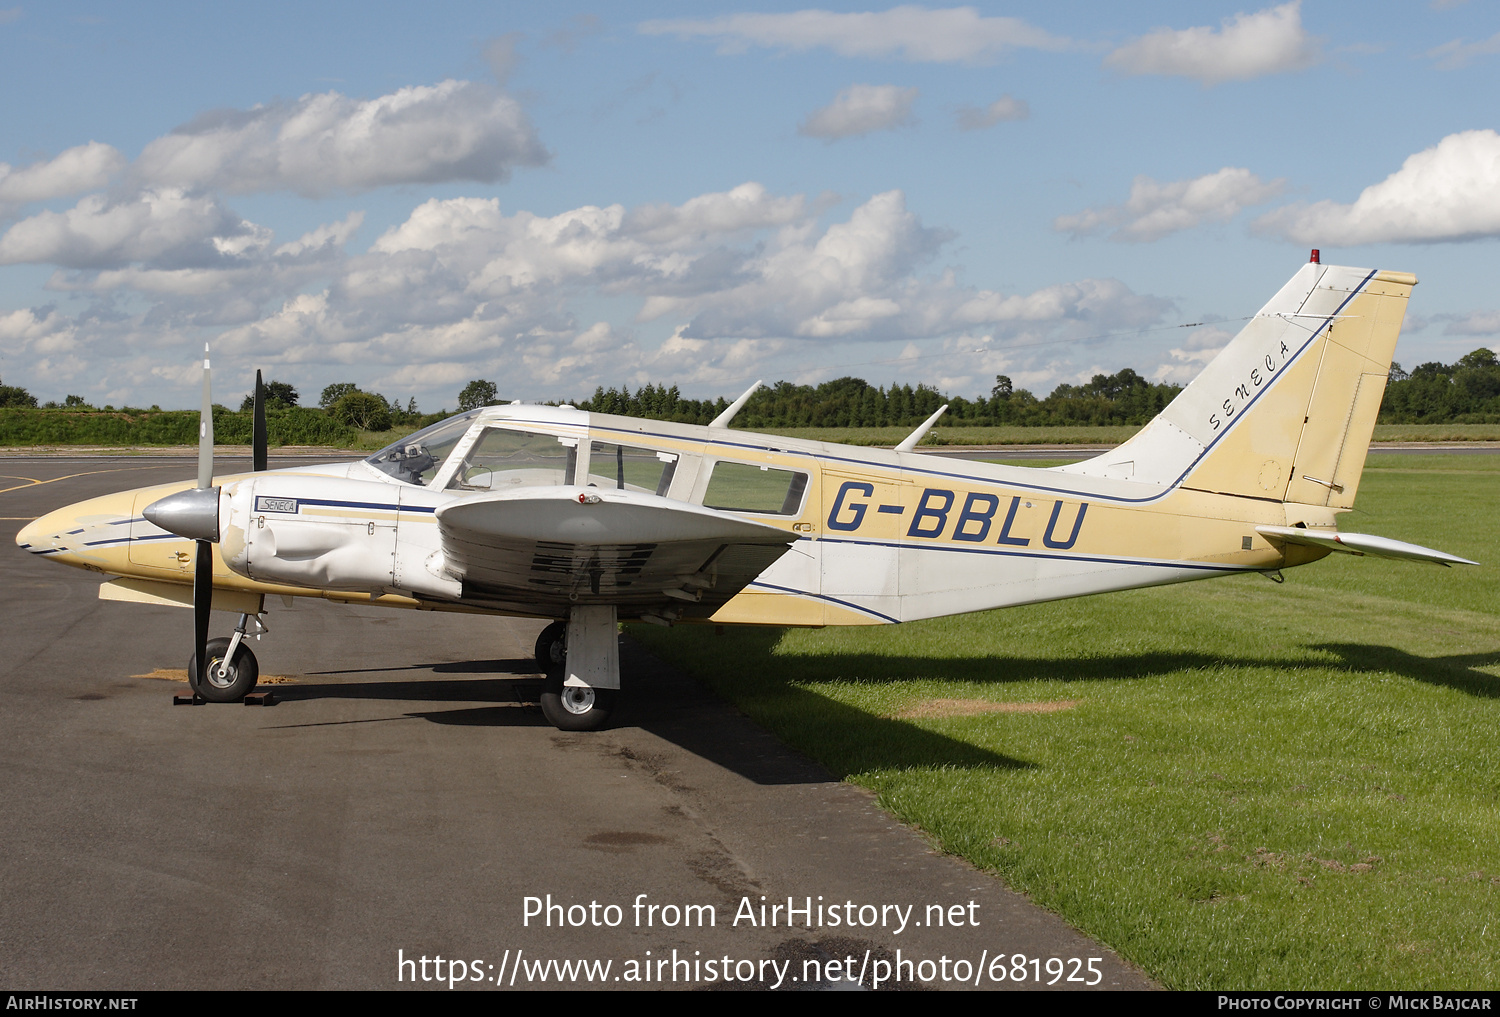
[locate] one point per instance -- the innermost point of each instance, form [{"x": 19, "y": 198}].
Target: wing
[
  {"x": 550, "y": 548},
  {"x": 1359, "y": 543}
]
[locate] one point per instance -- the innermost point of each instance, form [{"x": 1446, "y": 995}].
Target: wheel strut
[
  {"x": 239, "y": 635},
  {"x": 580, "y": 696}
]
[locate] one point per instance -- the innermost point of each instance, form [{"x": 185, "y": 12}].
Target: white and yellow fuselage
[
  {"x": 1272, "y": 435},
  {"x": 880, "y": 536}
]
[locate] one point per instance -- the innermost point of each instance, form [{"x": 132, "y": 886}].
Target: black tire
[
  {"x": 576, "y": 708},
  {"x": 552, "y": 649},
  {"x": 239, "y": 682}
]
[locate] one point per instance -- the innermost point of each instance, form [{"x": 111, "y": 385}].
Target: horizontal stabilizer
[{"x": 1360, "y": 543}]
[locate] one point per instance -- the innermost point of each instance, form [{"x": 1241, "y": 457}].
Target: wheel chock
[{"x": 253, "y": 699}]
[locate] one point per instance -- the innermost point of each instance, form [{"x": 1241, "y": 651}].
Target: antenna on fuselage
[
  {"x": 723, "y": 419},
  {"x": 911, "y": 440}
]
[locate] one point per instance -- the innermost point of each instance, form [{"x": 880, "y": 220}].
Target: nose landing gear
[
  {"x": 230, "y": 678},
  {"x": 232, "y": 668}
]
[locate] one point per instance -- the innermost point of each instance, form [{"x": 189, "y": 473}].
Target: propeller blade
[
  {"x": 203, "y": 598},
  {"x": 206, "y": 432},
  {"x": 203, "y": 565},
  {"x": 258, "y": 427}
]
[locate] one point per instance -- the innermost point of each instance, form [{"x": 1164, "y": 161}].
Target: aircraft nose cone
[
  {"x": 30, "y": 534},
  {"x": 44, "y": 535}
]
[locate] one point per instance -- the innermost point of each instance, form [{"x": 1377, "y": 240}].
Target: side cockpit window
[
  {"x": 503, "y": 458},
  {"x": 744, "y": 487},
  {"x": 628, "y": 468},
  {"x": 418, "y": 457}
]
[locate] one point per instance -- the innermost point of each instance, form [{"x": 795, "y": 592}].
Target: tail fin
[{"x": 1286, "y": 411}]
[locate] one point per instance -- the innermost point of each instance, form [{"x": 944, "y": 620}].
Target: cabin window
[
  {"x": 502, "y": 459},
  {"x": 418, "y": 457},
  {"x": 628, "y": 468},
  {"x": 744, "y": 487}
]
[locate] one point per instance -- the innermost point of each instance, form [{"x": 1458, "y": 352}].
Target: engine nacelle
[{"x": 322, "y": 532}]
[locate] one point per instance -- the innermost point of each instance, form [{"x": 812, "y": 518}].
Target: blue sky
[{"x": 559, "y": 197}]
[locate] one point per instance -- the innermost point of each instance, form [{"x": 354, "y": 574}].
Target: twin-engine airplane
[{"x": 588, "y": 518}]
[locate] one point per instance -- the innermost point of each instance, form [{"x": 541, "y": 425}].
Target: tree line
[
  {"x": 1122, "y": 398},
  {"x": 342, "y": 412},
  {"x": 1466, "y": 391}
]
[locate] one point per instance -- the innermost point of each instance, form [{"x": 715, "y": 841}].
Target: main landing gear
[
  {"x": 580, "y": 659},
  {"x": 232, "y": 668}
]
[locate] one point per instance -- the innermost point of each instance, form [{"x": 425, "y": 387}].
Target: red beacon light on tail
[{"x": 1313, "y": 260}]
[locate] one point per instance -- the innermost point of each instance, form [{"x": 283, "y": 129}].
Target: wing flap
[
  {"x": 566, "y": 545},
  {"x": 1361, "y": 544}
]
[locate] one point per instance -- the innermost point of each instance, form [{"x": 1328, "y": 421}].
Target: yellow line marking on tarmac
[{"x": 32, "y": 482}]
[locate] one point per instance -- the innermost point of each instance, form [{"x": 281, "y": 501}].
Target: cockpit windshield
[{"x": 417, "y": 458}]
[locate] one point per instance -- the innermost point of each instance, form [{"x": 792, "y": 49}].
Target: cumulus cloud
[
  {"x": 1102, "y": 301},
  {"x": 1271, "y": 41},
  {"x": 461, "y": 279},
  {"x": 1449, "y": 192},
  {"x": 953, "y": 35},
  {"x": 744, "y": 282},
  {"x": 83, "y": 168},
  {"x": 197, "y": 264},
  {"x": 861, "y": 109},
  {"x": 330, "y": 236},
  {"x": 1155, "y": 209},
  {"x": 1007, "y": 107},
  {"x": 854, "y": 279},
  {"x": 40, "y": 333},
  {"x": 166, "y": 226},
  {"x": 1473, "y": 323},
  {"x": 1452, "y": 56},
  {"x": 747, "y": 207},
  {"x": 454, "y": 130}
]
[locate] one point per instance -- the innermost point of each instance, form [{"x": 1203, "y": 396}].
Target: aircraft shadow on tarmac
[
  {"x": 667, "y": 703},
  {"x": 662, "y": 701},
  {"x": 521, "y": 666}
]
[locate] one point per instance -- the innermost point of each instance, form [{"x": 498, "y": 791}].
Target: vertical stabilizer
[{"x": 1286, "y": 410}]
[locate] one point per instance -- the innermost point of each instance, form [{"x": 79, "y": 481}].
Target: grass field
[{"x": 1233, "y": 783}]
